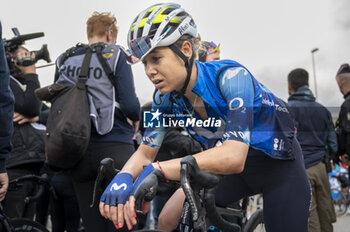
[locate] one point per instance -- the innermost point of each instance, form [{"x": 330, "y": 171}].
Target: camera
[{"x": 11, "y": 45}]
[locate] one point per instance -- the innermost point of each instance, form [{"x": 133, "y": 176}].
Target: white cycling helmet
[{"x": 159, "y": 25}]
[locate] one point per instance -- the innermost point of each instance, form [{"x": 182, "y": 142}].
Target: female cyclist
[{"x": 246, "y": 131}]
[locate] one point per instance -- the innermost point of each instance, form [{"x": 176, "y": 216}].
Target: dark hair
[
  {"x": 195, "y": 42},
  {"x": 344, "y": 68},
  {"x": 298, "y": 77},
  {"x": 203, "y": 51}
]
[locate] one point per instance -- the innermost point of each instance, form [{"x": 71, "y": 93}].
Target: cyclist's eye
[{"x": 155, "y": 59}]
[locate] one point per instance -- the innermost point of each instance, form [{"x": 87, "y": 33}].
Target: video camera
[{"x": 11, "y": 45}]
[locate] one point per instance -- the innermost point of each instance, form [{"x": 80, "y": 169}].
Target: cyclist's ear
[{"x": 186, "y": 48}]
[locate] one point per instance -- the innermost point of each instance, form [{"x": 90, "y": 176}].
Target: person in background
[
  {"x": 316, "y": 134},
  {"x": 111, "y": 134},
  {"x": 28, "y": 139},
  {"x": 343, "y": 122},
  {"x": 6, "y": 115},
  {"x": 64, "y": 210},
  {"x": 208, "y": 51}
]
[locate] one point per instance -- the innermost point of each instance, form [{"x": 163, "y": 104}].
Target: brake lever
[{"x": 106, "y": 171}]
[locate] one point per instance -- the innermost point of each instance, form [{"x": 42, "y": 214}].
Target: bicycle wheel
[
  {"x": 26, "y": 225},
  {"x": 255, "y": 222},
  {"x": 340, "y": 202}
]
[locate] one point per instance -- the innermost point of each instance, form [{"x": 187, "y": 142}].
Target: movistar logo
[{"x": 116, "y": 187}]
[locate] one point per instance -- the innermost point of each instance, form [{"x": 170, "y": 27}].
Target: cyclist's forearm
[
  {"x": 142, "y": 157},
  {"x": 226, "y": 159}
]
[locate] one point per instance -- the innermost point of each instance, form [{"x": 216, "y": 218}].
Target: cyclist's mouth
[{"x": 158, "y": 83}]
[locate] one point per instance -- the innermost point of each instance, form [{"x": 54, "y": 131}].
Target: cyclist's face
[{"x": 165, "y": 69}]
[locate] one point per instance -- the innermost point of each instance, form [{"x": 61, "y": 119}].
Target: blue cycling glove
[
  {"x": 145, "y": 172},
  {"x": 118, "y": 191},
  {"x": 146, "y": 185}
]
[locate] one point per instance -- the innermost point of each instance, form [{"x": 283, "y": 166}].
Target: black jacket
[
  {"x": 6, "y": 108},
  {"x": 343, "y": 126},
  {"x": 28, "y": 142},
  {"x": 315, "y": 129}
]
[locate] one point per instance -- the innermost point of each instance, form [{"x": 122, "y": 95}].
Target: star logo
[
  {"x": 156, "y": 115},
  {"x": 151, "y": 119}
]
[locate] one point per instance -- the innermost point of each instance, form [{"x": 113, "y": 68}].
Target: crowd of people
[{"x": 261, "y": 144}]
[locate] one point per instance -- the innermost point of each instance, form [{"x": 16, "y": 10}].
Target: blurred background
[{"x": 269, "y": 37}]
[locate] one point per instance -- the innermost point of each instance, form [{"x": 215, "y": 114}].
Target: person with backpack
[
  {"x": 114, "y": 109},
  {"x": 246, "y": 131}
]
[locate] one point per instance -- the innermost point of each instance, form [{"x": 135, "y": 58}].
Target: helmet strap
[{"x": 188, "y": 65}]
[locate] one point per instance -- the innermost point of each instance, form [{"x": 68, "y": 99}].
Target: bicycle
[
  {"x": 340, "y": 193},
  {"x": 199, "y": 209},
  {"x": 201, "y": 195},
  {"x": 21, "y": 224},
  {"x": 41, "y": 182}
]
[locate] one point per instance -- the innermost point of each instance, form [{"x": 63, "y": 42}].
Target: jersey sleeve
[
  {"x": 153, "y": 122},
  {"x": 236, "y": 86}
]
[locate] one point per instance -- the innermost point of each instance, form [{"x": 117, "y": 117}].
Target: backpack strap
[
  {"x": 73, "y": 51},
  {"x": 105, "y": 65},
  {"x": 97, "y": 48},
  {"x": 84, "y": 71}
]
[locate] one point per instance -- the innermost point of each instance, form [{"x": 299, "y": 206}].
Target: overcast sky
[{"x": 269, "y": 37}]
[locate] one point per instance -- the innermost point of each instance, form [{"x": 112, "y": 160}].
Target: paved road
[{"x": 342, "y": 224}]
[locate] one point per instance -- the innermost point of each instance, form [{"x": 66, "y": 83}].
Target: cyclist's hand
[
  {"x": 114, "y": 197},
  {"x": 4, "y": 183},
  {"x": 145, "y": 181},
  {"x": 130, "y": 212}
]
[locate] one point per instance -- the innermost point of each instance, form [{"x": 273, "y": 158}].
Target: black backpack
[{"x": 68, "y": 126}]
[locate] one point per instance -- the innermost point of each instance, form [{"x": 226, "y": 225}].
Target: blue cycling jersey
[{"x": 238, "y": 108}]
